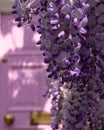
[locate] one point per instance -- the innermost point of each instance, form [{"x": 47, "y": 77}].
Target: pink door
[
  {"x": 22, "y": 77},
  {"x": 22, "y": 84}
]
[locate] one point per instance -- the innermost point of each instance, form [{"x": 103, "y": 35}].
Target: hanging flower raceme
[
  {"x": 73, "y": 49},
  {"x": 62, "y": 27}
]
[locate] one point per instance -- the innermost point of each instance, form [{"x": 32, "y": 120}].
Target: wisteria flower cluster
[{"x": 72, "y": 39}]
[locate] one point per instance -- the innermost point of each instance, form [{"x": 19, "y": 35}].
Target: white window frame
[{"x": 6, "y": 6}]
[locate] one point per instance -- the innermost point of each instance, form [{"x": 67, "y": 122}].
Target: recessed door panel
[{"x": 23, "y": 84}]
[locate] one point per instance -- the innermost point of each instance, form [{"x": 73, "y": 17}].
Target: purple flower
[
  {"x": 62, "y": 33},
  {"x": 77, "y": 47},
  {"x": 75, "y": 21},
  {"x": 83, "y": 22},
  {"x": 54, "y": 21},
  {"x": 75, "y": 72},
  {"x": 77, "y": 13},
  {"x": 83, "y": 30},
  {"x": 66, "y": 9}
]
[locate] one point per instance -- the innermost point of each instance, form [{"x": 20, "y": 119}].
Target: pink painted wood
[{"x": 22, "y": 77}]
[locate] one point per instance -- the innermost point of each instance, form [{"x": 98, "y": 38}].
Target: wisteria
[{"x": 72, "y": 41}]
